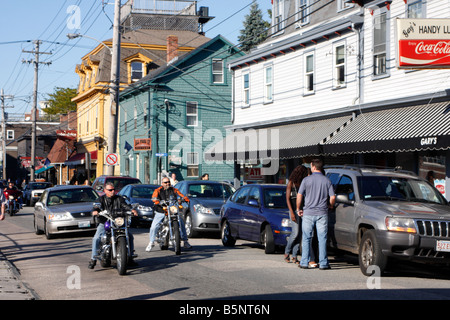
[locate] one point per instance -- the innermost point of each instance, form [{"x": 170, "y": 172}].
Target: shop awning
[
  {"x": 79, "y": 159},
  {"x": 42, "y": 169},
  {"x": 412, "y": 128},
  {"x": 278, "y": 142}
]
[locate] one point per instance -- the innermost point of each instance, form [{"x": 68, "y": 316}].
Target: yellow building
[{"x": 141, "y": 51}]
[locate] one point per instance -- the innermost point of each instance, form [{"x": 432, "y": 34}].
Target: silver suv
[{"x": 383, "y": 213}]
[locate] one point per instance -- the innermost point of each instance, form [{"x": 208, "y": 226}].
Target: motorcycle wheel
[
  {"x": 177, "y": 240},
  {"x": 11, "y": 210},
  {"x": 122, "y": 256}
]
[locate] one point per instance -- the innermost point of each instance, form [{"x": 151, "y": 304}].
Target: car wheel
[
  {"x": 189, "y": 224},
  {"x": 36, "y": 228},
  {"x": 48, "y": 235},
  {"x": 267, "y": 240},
  {"x": 370, "y": 254},
  {"x": 227, "y": 239}
]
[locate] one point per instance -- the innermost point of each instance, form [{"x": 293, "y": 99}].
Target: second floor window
[
  {"x": 9, "y": 134},
  {"x": 246, "y": 92},
  {"x": 379, "y": 44},
  {"x": 268, "y": 84},
  {"x": 415, "y": 9},
  {"x": 339, "y": 66},
  {"x": 309, "y": 73},
  {"x": 191, "y": 113},
  {"x": 217, "y": 71}
]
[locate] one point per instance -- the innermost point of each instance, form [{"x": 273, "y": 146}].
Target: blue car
[
  {"x": 256, "y": 212},
  {"x": 141, "y": 194}
]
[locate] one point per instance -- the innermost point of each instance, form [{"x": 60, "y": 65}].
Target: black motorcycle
[
  {"x": 115, "y": 243},
  {"x": 13, "y": 201},
  {"x": 169, "y": 231}
]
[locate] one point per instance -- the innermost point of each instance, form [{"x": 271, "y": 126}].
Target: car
[
  {"x": 384, "y": 213},
  {"x": 141, "y": 194},
  {"x": 118, "y": 181},
  {"x": 65, "y": 209},
  {"x": 257, "y": 213},
  {"x": 33, "y": 190},
  {"x": 206, "y": 198}
]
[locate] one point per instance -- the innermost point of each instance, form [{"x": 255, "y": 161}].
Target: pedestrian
[
  {"x": 295, "y": 179},
  {"x": 315, "y": 189},
  {"x": 205, "y": 176},
  {"x": 173, "y": 179},
  {"x": 3, "y": 204}
]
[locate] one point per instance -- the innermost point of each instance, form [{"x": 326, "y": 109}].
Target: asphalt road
[{"x": 57, "y": 270}]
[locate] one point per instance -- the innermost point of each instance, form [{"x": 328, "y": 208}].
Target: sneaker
[
  {"x": 92, "y": 264},
  {"x": 187, "y": 245},
  {"x": 149, "y": 247}
]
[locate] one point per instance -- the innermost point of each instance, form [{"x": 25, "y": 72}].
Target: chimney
[{"x": 172, "y": 48}]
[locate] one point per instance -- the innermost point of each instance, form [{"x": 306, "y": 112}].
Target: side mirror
[
  {"x": 99, "y": 188},
  {"x": 343, "y": 198},
  {"x": 39, "y": 205}
]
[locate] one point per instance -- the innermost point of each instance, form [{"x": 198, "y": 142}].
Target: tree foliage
[
  {"x": 60, "y": 102},
  {"x": 255, "y": 29}
]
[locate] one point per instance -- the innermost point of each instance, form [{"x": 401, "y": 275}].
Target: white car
[{"x": 33, "y": 191}]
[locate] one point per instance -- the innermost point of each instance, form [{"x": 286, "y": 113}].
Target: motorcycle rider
[
  {"x": 109, "y": 201},
  {"x": 165, "y": 192},
  {"x": 12, "y": 190}
]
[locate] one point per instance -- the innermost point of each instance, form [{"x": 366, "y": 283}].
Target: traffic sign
[
  {"x": 112, "y": 159},
  {"x": 161, "y": 154}
]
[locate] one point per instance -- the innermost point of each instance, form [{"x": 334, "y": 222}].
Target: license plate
[
  {"x": 442, "y": 245},
  {"x": 84, "y": 224}
]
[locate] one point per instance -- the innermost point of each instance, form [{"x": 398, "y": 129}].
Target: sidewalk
[{"x": 11, "y": 287}]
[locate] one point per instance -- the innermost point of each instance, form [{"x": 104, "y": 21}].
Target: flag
[
  {"x": 128, "y": 147},
  {"x": 46, "y": 162}
]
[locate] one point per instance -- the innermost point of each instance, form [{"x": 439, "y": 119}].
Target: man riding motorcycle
[
  {"x": 109, "y": 201},
  {"x": 164, "y": 193}
]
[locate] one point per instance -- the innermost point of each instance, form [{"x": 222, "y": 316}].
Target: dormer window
[{"x": 136, "y": 70}]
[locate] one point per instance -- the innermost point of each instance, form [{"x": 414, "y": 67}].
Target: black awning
[{"x": 412, "y": 128}]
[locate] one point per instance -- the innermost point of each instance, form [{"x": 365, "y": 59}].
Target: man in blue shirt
[{"x": 315, "y": 189}]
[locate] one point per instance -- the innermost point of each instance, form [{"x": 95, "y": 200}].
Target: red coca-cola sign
[{"x": 423, "y": 43}]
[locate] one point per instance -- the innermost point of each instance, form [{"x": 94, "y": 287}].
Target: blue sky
[{"x": 47, "y": 20}]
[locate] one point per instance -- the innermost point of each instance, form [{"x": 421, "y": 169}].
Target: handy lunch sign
[{"x": 423, "y": 43}]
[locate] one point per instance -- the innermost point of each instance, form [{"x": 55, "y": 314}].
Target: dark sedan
[
  {"x": 257, "y": 213},
  {"x": 206, "y": 198},
  {"x": 141, "y": 194}
]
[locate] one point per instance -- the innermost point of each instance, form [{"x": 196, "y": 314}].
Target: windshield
[
  {"x": 218, "y": 190},
  {"x": 275, "y": 198},
  {"x": 40, "y": 185},
  {"x": 142, "y": 192},
  {"x": 394, "y": 188},
  {"x": 120, "y": 183},
  {"x": 71, "y": 196}
]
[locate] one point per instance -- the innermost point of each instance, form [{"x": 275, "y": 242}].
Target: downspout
[{"x": 359, "y": 83}]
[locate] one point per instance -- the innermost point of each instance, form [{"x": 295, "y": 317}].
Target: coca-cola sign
[{"x": 423, "y": 43}]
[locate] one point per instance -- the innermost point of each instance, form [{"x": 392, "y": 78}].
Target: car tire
[
  {"x": 189, "y": 224},
  {"x": 227, "y": 239},
  {"x": 370, "y": 254},
  {"x": 267, "y": 240},
  {"x": 36, "y": 228},
  {"x": 48, "y": 235}
]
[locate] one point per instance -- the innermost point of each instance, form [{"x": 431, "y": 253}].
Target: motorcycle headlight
[
  {"x": 119, "y": 221},
  {"x": 11, "y": 197},
  {"x": 201, "y": 209},
  {"x": 400, "y": 224},
  {"x": 173, "y": 209}
]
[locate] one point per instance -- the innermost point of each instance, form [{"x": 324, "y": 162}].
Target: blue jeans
[
  {"x": 321, "y": 223},
  {"x": 294, "y": 239},
  {"x": 157, "y": 220},
  {"x": 96, "y": 241}
]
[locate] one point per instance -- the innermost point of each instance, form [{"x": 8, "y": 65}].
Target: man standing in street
[{"x": 315, "y": 189}]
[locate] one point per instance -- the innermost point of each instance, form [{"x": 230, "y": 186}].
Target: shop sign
[
  {"x": 423, "y": 43},
  {"x": 143, "y": 144},
  {"x": 440, "y": 185}
]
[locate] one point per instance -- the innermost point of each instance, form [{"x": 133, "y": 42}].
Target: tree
[
  {"x": 255, "y": 29},
  {"x": 60, "y": 102}
]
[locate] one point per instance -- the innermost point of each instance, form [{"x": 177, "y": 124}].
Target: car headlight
[
  {"x": 285, "y": 222},
  {"x": 144, "y": 208},
  {"x": 201, "y": 209},
  {"x": 400, "y": 224},
  {"x": 59, "y": 216},
  {"x": 119, "y": 221}
]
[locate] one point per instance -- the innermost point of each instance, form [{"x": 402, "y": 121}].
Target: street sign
[
  {"x": 111, "y": 159},
  {"x": 161, "y": 154}
]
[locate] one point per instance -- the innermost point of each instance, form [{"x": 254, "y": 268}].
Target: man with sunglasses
[
  {"x": 165, "y": 192},
  {"x": 109, "y": 201}
]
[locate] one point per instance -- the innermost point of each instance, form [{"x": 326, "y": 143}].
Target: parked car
[
  {"x": 388, "y": 213},
  {"x": 258, "y": 213},
  {"x": 65, "y": 209},
  {"x": 206, "y": 198},
  {"x": 141, "y": 194},
  {"x": 32, "y": 192},
  {"x": 118, "y": 181}
]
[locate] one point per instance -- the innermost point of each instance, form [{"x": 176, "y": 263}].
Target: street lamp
[{"x": 79, "y": 35}]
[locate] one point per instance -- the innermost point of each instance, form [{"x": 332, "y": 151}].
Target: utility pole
[
  {"x": 2, "y": 98},
  {"x": 115, "y": 86},
  {"x": 34, "y": 109}
]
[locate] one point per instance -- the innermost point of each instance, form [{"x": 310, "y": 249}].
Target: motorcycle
[
  {"x": 115, "y": 243},
  {"x": 13, "y": 201},
  {"x": 169, "y": 230}
]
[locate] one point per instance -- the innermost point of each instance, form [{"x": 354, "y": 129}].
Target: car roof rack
[{"x": 361, "y": 167}]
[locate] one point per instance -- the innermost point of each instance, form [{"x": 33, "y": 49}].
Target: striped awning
[
  {"x": 277, "y": 142},
  {"x": 412, "y": 128}
]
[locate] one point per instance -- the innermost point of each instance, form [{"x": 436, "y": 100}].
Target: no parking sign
[{"x": 112, "y": 159}]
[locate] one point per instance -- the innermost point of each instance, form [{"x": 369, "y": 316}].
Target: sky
[{"x": 22, "y": 22}]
